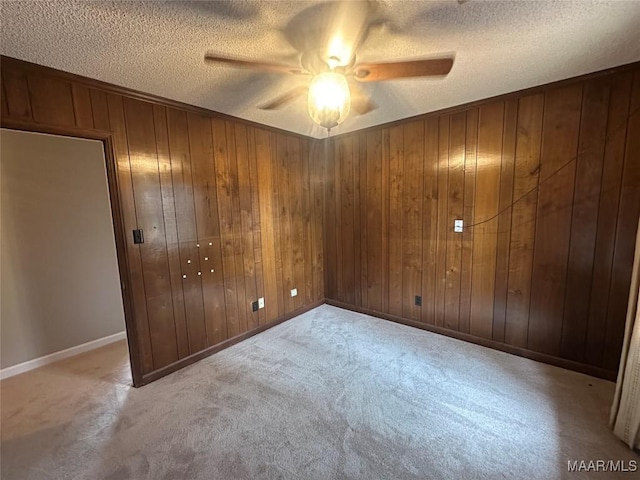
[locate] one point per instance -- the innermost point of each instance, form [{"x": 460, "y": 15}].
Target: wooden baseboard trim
[
  {"x": 61, "y": 355},
  {"x": 521, "y": 352},
  {"x": 183, "y": 362}
]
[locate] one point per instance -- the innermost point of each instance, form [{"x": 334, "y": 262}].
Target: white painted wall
[{"x": 59, "y": 283}]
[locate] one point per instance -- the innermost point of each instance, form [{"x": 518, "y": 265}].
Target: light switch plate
[
  {"x": 294, "y": 292},
  {"x": 457, "y": 226},
  {"x": 261, "y": 302}
]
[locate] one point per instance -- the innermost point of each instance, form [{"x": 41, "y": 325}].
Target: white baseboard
[{"x": 62, "y": 354}]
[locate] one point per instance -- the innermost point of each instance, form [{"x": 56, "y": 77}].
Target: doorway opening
[{"x": 60, "y": 278}]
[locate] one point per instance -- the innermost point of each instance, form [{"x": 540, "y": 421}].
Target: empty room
[{"x": 319, "y": 239}]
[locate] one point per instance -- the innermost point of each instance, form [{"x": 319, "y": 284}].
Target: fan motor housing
[{"x": 314, "y": 62}]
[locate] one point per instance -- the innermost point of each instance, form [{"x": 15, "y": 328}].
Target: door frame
[{"x": 106, "y": 137}]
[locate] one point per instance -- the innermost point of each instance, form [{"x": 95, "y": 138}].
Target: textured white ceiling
[{"x": 158, "y": 47}]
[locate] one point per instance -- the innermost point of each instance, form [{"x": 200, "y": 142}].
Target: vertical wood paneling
[
  {"x": 255, "y": 221},
  {"x": 430, "y": 219},
  {"x": 265, "y": 172},
  {"x": 99, "y": 109},
  {"x": 214, "y": 198},
  {"x": 614, "y": 155},
  {"x": 384, "y": 272},
  {"x": 117, "y": 125},
  {"x": 526, "y": 174},
  {"x": 331, "y": 240},
  {"x": 82, "y": 110},
  {"x": 16, "y": 93},
  {"x": 442, "y": 226},
  {"x": 278, "y": 219},
  {"x": 539, "y": 265},
  {"x": 584, "y": 221},
  {"x": 455, "y": 189},
  {"x": 297, "y": 218},
  {"x": 359, "y": 151},
  {"x": 171, "y": 229},
  {"x": 188, "y": 246},
  {"x": 237, "y": 248},
  {"x": 286, "y": 242},
  {"x": 4, "y": 107},
  {"x": 363, "y": 161},
  {"x": 505, "y": 218},
  {"x": 628, "y": 213},
  {"x": 412, "y": 218},
  {"x": 207, "y": 227},
  {"x": 374, "y": 221},
  {"x": 337, "y": 191},
  {"x": 346, "y": 228},
  {"x": 317, "y": 166},
  {"x": 487, "y": 190},
  {"x": 307, "y": 246},
  {"x": 246, "y": 224},
  {"x": 555, "y": 199},
  {"x": 224, "y": 193},
  {"x": 277, "y": 203},
  {"x": 145, "y": 178},
  {"x": 51, "y": 101},
  {"x": 396, "y": 174},
  {"x": 466, "y": 259}
]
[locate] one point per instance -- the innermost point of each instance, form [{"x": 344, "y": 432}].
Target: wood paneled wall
[
  {"x": 230, "y": 211},
  {"x": 548, "y": 275},
  {"x": 233, "y": 211}
]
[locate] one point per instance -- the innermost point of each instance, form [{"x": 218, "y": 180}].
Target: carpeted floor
[{"x": 330, "y": 394}]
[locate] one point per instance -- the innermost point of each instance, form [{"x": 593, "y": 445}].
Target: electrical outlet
[
  {"x": 261, "y": 302},
  {"x": 457, "y": 226},
  {"x": 418, "y": 300},
  {"x": 254, "y": 306},
  {"x": 294, "y": 292}
]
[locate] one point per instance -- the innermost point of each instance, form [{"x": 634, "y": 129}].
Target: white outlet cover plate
[
  {"x": 457, "y": 225},
  {"x": 261, "y": 302},
  {"x": 294, "y": 292}
]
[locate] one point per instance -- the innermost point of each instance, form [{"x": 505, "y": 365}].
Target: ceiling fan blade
[
  {"x": 284, "y": 99},
  {"x": 265, "y": 66},
  {"x": 375, "y": 72},
  {"x": 361, "y": 103}
]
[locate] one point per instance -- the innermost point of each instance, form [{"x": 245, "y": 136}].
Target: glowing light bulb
[{"x": 329, "y": 99}]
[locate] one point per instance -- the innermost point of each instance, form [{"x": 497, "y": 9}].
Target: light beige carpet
[{"x": 328, "y": 395}]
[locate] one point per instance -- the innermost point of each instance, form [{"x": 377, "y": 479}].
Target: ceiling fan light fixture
[{"x": 329, "y": 99}]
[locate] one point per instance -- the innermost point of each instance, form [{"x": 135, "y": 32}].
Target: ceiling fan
[{"x": 327, "y": 37}]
